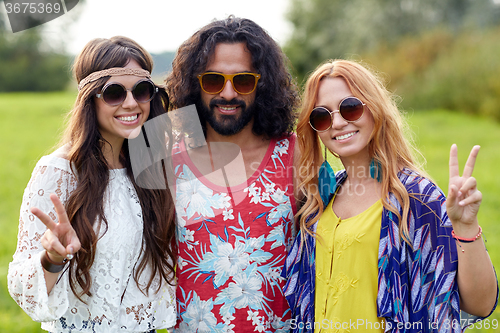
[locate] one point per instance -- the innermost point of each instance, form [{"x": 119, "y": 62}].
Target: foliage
[
  {"x": 28, "y": 62},
  {"x": 25, "y": 67},
  {"x": 437, "y": 54},
  {"x": 411, "y": 56},
  {"x": 2, "y": 24},
  {"x": 325, "y": 29},
  {"x": 439, "y": 69}
]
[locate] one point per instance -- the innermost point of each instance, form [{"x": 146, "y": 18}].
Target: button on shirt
[{"x": 346, "y": 271}]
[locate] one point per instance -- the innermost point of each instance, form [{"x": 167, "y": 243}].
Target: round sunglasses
[
  {"x": 114, "y": 93},
  {"x": 350, "y": 109},
  {"x": 243, "y": 83}
]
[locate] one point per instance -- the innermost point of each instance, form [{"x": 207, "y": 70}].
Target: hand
[
  {"x": 464, "y": 199},
  {"x": 60, "y": 239}
]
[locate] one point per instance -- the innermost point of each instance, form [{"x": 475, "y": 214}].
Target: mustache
[{"x": 233, "y": 102}]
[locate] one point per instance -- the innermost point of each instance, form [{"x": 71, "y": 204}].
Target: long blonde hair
[{"x": 388, "y": 146}]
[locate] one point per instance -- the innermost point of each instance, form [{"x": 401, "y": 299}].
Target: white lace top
[{"x": 117, "y": 304}]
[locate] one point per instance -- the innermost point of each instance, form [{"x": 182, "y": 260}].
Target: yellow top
[{"x": 347, "y": 272}]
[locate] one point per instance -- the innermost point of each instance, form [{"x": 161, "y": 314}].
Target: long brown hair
[
  {"x": 85, "y": 153},
  {"x": 388, "y": 146}
]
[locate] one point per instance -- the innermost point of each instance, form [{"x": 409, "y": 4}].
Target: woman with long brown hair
[
  {"x": 380, "y": 248},
  {"x": 101, "y": 259}
]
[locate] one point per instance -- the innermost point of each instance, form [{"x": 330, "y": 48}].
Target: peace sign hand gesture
[
  {"x": 60, "y": 240},
  {"x": 464, "y": 199}
]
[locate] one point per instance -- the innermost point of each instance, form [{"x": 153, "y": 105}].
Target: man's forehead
[{"x": 230, "y": 58}]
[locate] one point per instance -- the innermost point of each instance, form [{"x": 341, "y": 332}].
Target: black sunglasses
[
  {"x": 350, "y": 109},
  {"x": 115, "y": 93}
]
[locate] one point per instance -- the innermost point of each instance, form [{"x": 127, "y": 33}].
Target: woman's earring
[
  {"x": 326, "y": 181},
  {"x": 376, "y": 170}
]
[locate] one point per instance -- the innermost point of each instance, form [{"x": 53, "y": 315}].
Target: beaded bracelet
[
  {"x": 51, "y": 266},
  {"x": 467, "y": 240}
]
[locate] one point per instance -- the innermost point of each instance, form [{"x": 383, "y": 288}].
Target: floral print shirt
[{"x": 231, "y": 254}]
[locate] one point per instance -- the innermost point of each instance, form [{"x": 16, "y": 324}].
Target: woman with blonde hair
[
  {"x": 94, "y": 251},
  {"x": 380, "y": 248}
]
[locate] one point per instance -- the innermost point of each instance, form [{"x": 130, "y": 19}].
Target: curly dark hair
[{"x": 276, "y": 94}]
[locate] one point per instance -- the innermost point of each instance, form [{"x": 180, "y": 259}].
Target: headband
[{"x": 113, "y": 71}]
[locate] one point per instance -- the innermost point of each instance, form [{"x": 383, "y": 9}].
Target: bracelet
[
  {"x": 51, "y": 266},
  {"x": 467, "y": 240}
]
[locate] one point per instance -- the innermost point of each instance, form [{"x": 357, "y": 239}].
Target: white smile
[
  {"x": 129, "y": 118},
  {"x": 345, "y": 136},
  {"x": 228, "y": 108}
]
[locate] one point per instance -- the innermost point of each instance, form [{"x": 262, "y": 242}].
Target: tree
[
  {"x": 25, "y": 67},
  {"x": 2, "y": 22},
  {"x": 27, "y": 64},
  {"x": 325, "y": 29}
]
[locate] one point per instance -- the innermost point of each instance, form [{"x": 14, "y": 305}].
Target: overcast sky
[{"x": 160, "y": 25}]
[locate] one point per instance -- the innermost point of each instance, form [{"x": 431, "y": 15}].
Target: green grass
[{"x": 31, "y": 126}]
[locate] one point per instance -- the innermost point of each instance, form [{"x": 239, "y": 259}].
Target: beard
[{"x": 227, "y": 124}]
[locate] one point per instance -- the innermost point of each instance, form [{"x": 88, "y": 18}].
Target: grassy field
[{"x": 31, "y": 125}]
